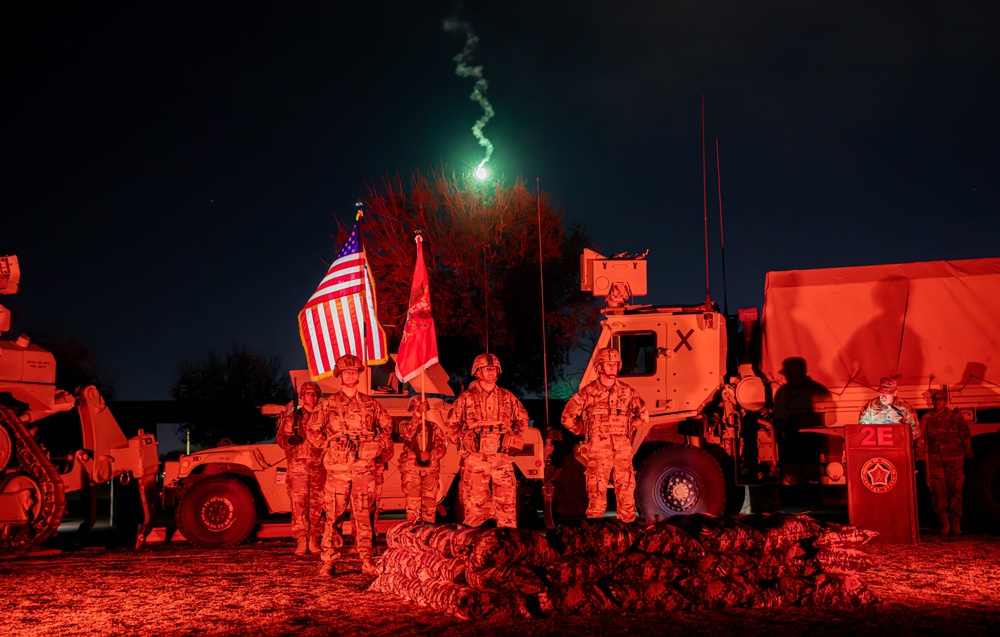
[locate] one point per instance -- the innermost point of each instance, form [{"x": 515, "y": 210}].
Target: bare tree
[{"x": 481, "y": 246}]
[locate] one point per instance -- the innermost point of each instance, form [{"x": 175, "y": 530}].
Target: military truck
[
  {"x": 223, "y": 494},
  {"x": 33, "y": 482},
  {"x": 767, "y": 405}
]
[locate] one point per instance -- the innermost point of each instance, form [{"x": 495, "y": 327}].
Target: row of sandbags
[{"x": 598, "y": 566}]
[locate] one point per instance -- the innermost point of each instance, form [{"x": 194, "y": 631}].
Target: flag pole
[
  {"x": 548, "y": 489},
  {"x": 364, "y": 284}
]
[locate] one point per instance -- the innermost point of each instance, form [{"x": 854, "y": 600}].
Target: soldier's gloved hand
[{"x": 418, "y": 407}]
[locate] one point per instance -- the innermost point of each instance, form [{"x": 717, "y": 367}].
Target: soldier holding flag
[
  {"x": 423, "y": 441},
  {"x": 340, "y": 334}
]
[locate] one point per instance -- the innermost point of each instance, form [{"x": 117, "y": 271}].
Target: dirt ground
[{"x": 942, "y": 586}]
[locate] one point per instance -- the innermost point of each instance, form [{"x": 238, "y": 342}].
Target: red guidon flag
[
  {"x": 340, "y": 317},
  {"x": 418, "y": 348}
]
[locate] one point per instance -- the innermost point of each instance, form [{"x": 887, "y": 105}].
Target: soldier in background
[
  {"x": 306, "y": 476},
  {"x": 606, "y": 412},
  {"x": 424, "y": 445},
  {"x": 946, "y": 442},
  {"x": 354, "y": 431},
  {"x": 488, "y": 422},
  {"x": 887, "y": 408}
]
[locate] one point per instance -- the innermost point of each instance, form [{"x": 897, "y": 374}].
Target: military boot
[
  {"x": 300, "y": 548},
  {"x": 945, "y": 527},
  {"x": 955, "y": 528},
  {"x": 327, "y": 569},
  {"x": 314, "y": 546}
]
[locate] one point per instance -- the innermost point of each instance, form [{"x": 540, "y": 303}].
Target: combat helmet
[
  {"x": 310, "y": 385},
  {"x": 485, "y": 360},
  {"x": 348, "y": 361},
  {"x": 608, "y": 355}
]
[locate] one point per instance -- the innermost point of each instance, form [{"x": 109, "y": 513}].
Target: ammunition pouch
[
  {"x": 512, "y": 442},
  {"x": 489, "y": 442},
  {"x": 618, "y": 425},
  {"x": 369, "y": 450}
]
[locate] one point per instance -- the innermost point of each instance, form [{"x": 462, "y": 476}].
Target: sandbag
[
  {"x": 460, "y": 601},
  {"x": 840, "y": 590},
  {"x": 664, "y": 539},
  {"x": 844, "y": 560},
  {"x": 421, "y": 565},
  {"x": 644, "y": 597},
  {"x": 580, "y": 569},
  {"x": 495, "y": 547},
  {"x": 582, "y": 599},
  {"x": 781, "y": 529},
  {"x": 790, "y": 561},
  {"x": 846, "y": 535},
  {"x": 643, "y": 568},
  {"x": 509, "y": 578},
  {"x": 462, "y": 539},
  {"x": 783, "y": 591},
  {"x": 593, "y": 536},
  {"x": 713, "y": 565},
  {"x": 410, "y": 535},
  {"x": 440, "y": 539},
  {"x": 723, "y": 592},
  {"x": 719, "y": 533}
]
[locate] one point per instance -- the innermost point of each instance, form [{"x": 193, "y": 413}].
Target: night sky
[{"x": 173, "y": 172}]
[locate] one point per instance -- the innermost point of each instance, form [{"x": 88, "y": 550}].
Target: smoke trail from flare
[{"x": 464, "y": 68}]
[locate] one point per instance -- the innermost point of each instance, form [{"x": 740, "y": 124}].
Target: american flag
[{"x": 340, "y": 317}]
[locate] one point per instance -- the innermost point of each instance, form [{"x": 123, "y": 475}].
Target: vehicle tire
[
  {"x": 678, "y": 480},
  {"x": 983, "y": 488},
  {"x": 217, "y": 512}
]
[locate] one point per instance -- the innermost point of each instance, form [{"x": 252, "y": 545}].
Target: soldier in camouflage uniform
[
  {"x": 306, "y": 475},
  {"x": 606, "y": 413},
  {"x": 424, "y": 444},
  {"x": 487, "y": 422},
  {"x": 354, "y": 431},
  {"x": 887, "y": 408},
  {"x": 946, "y": 442}
]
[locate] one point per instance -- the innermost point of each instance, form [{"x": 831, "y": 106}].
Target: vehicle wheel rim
[
  {"x": 679, "y": 490},
  {"x": 28, "y": 488},
  {"x": 218, "y": 513}
]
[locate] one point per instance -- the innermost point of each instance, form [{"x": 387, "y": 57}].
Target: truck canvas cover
[{"x": 927, "y": 324}]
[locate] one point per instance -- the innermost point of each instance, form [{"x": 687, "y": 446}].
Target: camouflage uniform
[
  {"x": 874, "y": 412},
  {"x": 607, "y": 418},
  {"x": 350, "y": 429},
  {"x": 481, "y": 422},
  {"x": 946, "y": 441},
  {"x": 305, "y": 477},
  {"x": 421, "y": 478}
]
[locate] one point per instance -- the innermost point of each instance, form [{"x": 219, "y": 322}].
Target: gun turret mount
[{"x": 617, "y": 279}]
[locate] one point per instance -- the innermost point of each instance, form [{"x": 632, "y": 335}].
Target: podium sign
[{"x": 881, "y": 481}]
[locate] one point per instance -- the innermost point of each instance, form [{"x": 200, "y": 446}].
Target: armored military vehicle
[
  {"x": 34, "y": 483},
  {"x": 767, "y": 406}
]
